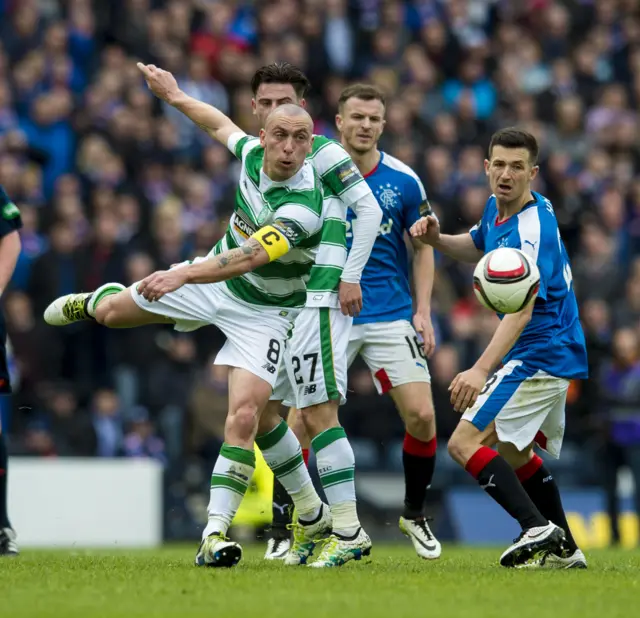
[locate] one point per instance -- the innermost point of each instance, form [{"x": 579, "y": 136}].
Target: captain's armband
[{"x": 272, "y": 241}]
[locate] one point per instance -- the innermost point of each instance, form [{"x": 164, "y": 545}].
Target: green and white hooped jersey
[
  {"x": 342, "y": 185},
  {"x": 259, "y": 202}
]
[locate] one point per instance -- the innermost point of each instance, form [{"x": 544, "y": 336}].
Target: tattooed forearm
[
  {"x": 249, "y": 249},
  {"x": 233, "y": 263}
]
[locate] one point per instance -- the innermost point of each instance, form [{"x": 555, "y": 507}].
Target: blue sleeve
[
  {"x": 414, "y": 201},
  {"x": 477, "y": 235},
  {"x": 540, "y": 240}
]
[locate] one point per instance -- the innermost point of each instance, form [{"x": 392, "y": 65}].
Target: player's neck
[
  {"x": 366, "y": 162},
  {"x": 513, "y": 207}
]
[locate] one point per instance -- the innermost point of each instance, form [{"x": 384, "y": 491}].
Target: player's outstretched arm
[
  {"x": 460, "y": 247},
  {"x": 266, "y": 245},
  {"x": 164, "y": 85},
  {"x": 466, "y": 386}
]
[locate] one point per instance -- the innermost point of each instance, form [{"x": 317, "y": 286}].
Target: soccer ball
[{"x": 505, "y": 280}]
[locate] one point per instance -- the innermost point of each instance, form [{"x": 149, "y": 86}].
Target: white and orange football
[{"x": 505, "y": 280}]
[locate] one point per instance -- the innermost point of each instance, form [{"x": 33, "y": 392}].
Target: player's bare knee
[
  {"x": 464, "y": 442},
  {"x": 419, "y": 421},
  {"x": 457, "y": 448},
  {"x": 244, "y": 420}
]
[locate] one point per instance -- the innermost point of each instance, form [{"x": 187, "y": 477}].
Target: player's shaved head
[
  {"x": 287, "y": 139},
  {"x": 289, "y": 111}
]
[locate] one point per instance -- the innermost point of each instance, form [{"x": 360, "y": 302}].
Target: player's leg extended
[
  {"x": 111, "y": 305},
  {"x": 283, "y": 453},
  {"x": 415, "y": 405},
  {"x": 248, "y": 395},
  {"x": 320, "y": 372},
  {"x": 469, "y": 446},
  {"x": 8, "y": 546}
]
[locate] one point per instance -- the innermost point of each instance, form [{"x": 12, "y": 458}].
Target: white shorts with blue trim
[{"x": 527, "y": 405}]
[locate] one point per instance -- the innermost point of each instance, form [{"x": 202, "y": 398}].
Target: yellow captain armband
[{"x": 273, "y": 241}]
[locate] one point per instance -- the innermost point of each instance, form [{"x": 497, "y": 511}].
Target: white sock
[
  {"x": 102, "y": 292},
  {"x": 281, "y": 450},
  {"x": 336, "y": 466},
  {"x": 229, "y": 482}
]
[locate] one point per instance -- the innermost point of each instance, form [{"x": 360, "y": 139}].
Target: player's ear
[
  {"x": 339, "y": 122},
  {"x": 262, "y": 136},
  {"x": 253, "y": 106},
  {"x": 486, "y": 166},
  {"x": 534, "y": 172},
  {"x": 303, "y": 103}
]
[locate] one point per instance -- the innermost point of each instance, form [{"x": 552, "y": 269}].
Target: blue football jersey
[
  {"x": 553, "y": 341},
  {"x": 386, "y": 293}
]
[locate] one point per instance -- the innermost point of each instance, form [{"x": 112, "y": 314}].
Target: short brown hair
[
  {"x": 512, "y": 137},
  {"x": 365, "y": 92},
  {"x": 281, "y": 73}
]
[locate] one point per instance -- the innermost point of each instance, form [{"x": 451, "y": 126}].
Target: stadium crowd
[{"x": 113, "y": 185}]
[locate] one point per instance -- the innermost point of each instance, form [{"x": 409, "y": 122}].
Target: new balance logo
[
  {"x": 269, "y": 367},
  {"x": 489, "y": 483},
  {"x": 310, "y": 390}
]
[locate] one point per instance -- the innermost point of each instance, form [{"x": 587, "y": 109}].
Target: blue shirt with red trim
[
  {"x": 386, "y": 292},
  {"x": 553, "y": 341}
]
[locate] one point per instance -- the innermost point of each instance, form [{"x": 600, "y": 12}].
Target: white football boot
[
  {"x": 532, "y": 544},
  {"x": 338, "y": 551},
  {"x": 277, "y": 549},
  {"x": 425, "y": 544},
  {"x": 8, "y": 545},
  {"x": 218, "y": 551},
  {"x": 306, "y": 537},
  {"x": 76, "y": 307},
  {"x": 576, "y": 560}
]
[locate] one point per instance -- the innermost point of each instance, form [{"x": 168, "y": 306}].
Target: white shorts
[
  {"x": 393, "y": 352},
  {"x": 315, "y": 367},
  {"x": 526, "y": 405},
  {"x": 256, "y": 335}
]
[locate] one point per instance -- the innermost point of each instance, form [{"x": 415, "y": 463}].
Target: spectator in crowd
[{"x": 619, "y": 405}]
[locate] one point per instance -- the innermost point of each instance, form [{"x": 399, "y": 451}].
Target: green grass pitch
[{"x": 393, "y": 582}]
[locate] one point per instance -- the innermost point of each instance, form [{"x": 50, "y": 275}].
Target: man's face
[
  {"x": 287, "y": 141},
  {"x": 360, "y": 124},
  {"x": 270, "y": 96},
  {"x": 510, "y": 172}
]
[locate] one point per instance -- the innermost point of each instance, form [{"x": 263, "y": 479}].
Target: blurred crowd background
[{"x": 113, "y": 185}]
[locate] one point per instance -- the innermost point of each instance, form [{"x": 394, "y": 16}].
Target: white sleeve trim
[
  {"x": 365, "y": 228},
  {"x": 233, "y": 140}
]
